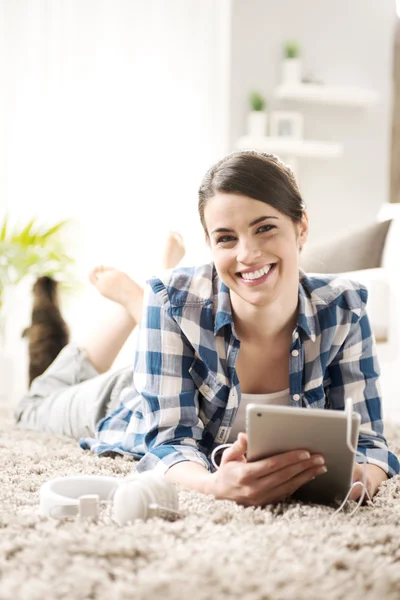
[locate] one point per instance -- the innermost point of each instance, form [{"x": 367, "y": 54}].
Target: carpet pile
[{"x": 289, "y": 551}]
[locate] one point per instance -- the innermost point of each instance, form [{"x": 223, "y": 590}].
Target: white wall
[
  {"x": 114, "y": 110},
  {"x": 346, "y": 42},
  {"x": 112, "y": 118}
]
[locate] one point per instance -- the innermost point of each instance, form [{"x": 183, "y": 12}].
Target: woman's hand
[
  {"x": 265, "y": 481},
  {"x": 374, "y": 477}
]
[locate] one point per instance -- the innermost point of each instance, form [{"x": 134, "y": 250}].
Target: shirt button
[
  {"x": 295, "y": 352},
  {"x": 296, "y": 397},
  {"x": 296, "y": 335}
]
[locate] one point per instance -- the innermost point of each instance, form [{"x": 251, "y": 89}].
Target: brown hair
[{"x": 263, "y": 177}]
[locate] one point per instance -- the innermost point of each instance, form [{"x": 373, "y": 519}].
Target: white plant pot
[
  {"x": 291, "y": 71},
  {"x": 257, "y": 121}
]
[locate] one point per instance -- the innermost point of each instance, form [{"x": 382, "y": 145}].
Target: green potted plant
[
  {"x": 291, "y": 68},
  {"x": 27, "y": 252},
  {"x": 257, "y": 117}
]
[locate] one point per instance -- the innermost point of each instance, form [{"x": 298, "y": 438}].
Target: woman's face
[{"x": 255, "y": 247}]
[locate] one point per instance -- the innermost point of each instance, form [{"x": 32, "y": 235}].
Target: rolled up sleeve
[
  {"x": 354, "y": 373},
  {"x": 169, "y": 397}
]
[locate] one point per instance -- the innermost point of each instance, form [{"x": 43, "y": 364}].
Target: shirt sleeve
[
  {"x": 170, "y": 399},
  {"x": 354, "y": 373}
]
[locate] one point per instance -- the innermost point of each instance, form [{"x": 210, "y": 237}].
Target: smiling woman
[
  {"x": 250, "y": 326},
  {"x": 255, "y": 235}
]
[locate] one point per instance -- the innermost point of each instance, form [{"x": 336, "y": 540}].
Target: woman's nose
[{"x": 248, "y": 252}]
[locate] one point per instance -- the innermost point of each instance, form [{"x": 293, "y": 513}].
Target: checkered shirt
[{"x": 186, "y": 392}]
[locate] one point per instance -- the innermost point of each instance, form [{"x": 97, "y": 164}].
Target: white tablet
[{"x": 273, "y": 429}]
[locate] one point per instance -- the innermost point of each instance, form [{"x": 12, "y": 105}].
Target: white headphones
[{"x": 143, "y": 496}]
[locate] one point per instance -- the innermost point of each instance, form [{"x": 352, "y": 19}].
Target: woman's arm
[
  {"x": 354, "y": 372},
  {"x": 192, "y": 476},
  {"x": 251, "y": 484}
]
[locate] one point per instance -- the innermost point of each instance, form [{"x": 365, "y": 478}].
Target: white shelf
[
  {"x": 289, "y": 147},
  {"x": 326, "y": 94}
]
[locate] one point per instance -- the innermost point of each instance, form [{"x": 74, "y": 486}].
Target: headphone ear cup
[
  {"x": 133, "y": 498},
  {"x": 131, "y": 501},
  {"x": 164, "y": 491}
]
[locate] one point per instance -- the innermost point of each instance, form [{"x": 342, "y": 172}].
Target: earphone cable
[{"x": 363, "y": 483}]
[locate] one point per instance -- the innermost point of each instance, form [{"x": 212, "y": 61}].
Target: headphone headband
[
  {"x": 60, "y": 497},
  {"x": 138, "y": 497}
]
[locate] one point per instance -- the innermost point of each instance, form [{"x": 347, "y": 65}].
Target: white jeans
[{"x": 70, "y": 397}]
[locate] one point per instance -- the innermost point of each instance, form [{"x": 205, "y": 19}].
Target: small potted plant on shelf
[
  {"x": 257, "y": 118},
  {"x": 291, "y": 67}
]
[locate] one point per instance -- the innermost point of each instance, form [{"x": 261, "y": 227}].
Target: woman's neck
[{"x": 264, "y": 322}]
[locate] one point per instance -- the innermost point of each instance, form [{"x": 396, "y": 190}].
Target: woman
[{"x": 246, "y": 324}]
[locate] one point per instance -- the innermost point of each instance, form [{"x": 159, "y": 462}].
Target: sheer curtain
[
  {"x": 395, "y": 149},
  {"x": 113, "y": 114},
  {"x": 113, "y": 111}
]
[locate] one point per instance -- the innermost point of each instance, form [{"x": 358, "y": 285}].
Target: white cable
[
  {"x": 363, "y": 483},
  {"x": 214, "y": 452}
]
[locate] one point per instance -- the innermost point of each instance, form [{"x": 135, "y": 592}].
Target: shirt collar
[{"x": 307, "y": 318}]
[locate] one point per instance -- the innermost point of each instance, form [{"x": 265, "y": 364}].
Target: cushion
[{"x": 355, "y": 251}]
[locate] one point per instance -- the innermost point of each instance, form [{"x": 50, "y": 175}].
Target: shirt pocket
[{"x": 208, "y": 385}]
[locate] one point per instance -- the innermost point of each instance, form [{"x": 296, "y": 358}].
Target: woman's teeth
[{"x": 257, "y": 274}]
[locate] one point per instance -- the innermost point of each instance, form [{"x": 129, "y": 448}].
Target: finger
[
  {"x": 266, "y": 466},
  {"x": 242, "y": 438},
  {"x": 287, "y": 489},
  {"x": 96, "y": 271},
  {"x": 236, "y": 452},
  {"x": 288, "y": 474}
]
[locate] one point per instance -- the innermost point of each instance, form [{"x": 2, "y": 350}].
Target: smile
[{"x": 258, "y": 275}]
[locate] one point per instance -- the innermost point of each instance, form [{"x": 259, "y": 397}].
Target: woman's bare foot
[
  {"x": 118, "y": 287},
  {"x": 174, "y": 250}
]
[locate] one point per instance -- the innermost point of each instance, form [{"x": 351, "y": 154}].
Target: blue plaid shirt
[{"x": 186, "y": 393}]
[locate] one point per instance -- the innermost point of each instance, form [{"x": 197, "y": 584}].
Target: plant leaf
[
  {"x": 3, "y": 232},
  {"x": 25, "y": 234},
  {"x": 54, "y": 229}
]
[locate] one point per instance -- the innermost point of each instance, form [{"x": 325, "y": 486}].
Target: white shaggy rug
[{"x": 219, "y": 550}]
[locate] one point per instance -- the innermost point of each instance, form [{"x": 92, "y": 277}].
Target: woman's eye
[
  {"x": 265, "y": 228},
  {"x": 225, "y": 239}
]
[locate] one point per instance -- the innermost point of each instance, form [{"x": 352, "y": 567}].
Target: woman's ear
[{"x": 302, "y": 228}]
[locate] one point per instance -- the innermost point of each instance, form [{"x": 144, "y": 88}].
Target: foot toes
[{"x": 95, "y": 273}]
